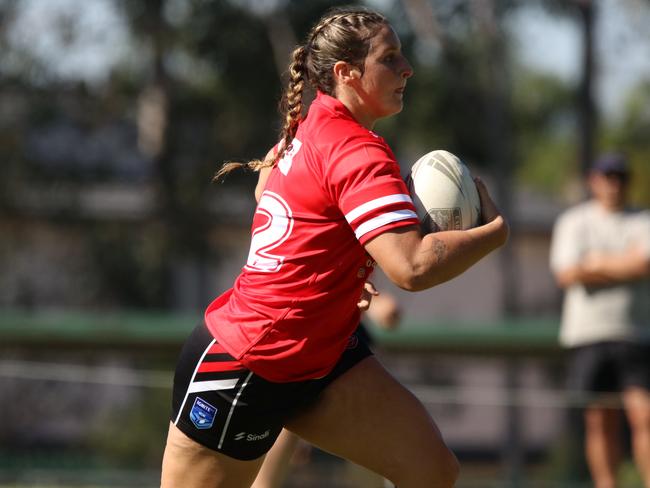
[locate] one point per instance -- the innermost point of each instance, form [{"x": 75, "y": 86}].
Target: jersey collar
[{"x": 333, "y": 104}]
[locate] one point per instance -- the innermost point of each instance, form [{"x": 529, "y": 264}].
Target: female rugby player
[{"x": 277, "y": 349}]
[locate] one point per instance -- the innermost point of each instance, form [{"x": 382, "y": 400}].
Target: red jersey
[{"x": 294, "y": 305}]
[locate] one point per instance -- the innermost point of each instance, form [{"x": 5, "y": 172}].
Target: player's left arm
[
  {"x": 367, "y": 294},
  {"x": 264, "y": 175},
  {"x": 382, "y": 308},
  {"x": 384, "y": 311}
]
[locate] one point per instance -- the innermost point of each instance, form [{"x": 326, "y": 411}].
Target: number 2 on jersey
[{"x": 271, "y": 234}]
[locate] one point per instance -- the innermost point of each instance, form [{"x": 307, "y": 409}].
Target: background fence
[{"x": 85, "y": 400}]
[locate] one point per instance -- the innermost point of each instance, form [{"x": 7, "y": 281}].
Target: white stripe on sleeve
[
  {"x": 384, "y": 219},
  {"x": 376, "y": 203}
]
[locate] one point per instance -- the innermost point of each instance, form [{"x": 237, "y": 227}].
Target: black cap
[{"x": 611, "y": 163}]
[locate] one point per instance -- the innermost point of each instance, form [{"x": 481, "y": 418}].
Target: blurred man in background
[{"x": 600, "y": 256}]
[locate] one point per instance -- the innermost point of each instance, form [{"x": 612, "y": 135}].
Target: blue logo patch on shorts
[{"x": 202, "y": 414}]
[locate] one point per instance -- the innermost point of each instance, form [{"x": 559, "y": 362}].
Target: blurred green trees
[{"x": 197, "y": 83}]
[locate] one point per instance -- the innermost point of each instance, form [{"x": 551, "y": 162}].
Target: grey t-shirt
[{"x": 602, "y": 313}]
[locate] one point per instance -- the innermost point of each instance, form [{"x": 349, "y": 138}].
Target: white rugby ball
[{"x": 444, "y": 192}]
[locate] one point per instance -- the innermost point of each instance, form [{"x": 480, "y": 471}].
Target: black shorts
[
  {"x": 609, "y": 367},
  {"x": 224, "y": 406},
  {"x": 364, "y": 334}
]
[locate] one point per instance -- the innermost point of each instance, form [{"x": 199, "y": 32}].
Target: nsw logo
[{"x": 202, "y": 414}]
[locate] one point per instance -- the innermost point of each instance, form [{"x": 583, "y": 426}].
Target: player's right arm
[{"x": 415, "y": 262}]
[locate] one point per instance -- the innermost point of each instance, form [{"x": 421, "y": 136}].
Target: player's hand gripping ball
[{"x": 444, "y": 193}]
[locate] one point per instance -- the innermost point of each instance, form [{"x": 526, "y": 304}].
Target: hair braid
[
  {"x": 332, "y": 19},
  {"x": 292, "y": 108},
  {"x": 342, "y": 34},
  {"x": 292, "y": 100}
]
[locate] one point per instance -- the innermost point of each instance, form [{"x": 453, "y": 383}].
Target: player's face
[{"x": 386, "y": 70}]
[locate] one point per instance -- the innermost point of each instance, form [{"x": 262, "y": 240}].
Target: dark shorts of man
[
  {"x": 222, "y": 405},
  {"x": 609, "y": 367}
]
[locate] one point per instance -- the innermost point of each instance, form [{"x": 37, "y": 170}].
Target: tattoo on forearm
[{"x": 440, "y": 249}]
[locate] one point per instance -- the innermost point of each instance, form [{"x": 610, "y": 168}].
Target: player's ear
[
  {"x": 355, "y": 73},
  {"x": 345, "y": 72}
]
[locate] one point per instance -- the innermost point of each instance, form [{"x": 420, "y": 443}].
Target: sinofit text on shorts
[{"x": 252, "y": 437}]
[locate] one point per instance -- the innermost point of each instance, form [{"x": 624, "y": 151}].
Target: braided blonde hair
[{"x": 342, "y": 34}]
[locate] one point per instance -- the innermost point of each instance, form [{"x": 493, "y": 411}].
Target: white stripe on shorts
[
  {"x": 198, "y": 363},
  {"x": 212, "y": 385},
  {"x": 232, "y": 409}
]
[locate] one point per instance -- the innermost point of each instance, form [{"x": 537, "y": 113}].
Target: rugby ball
[{"x": 444, "y": 192}]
